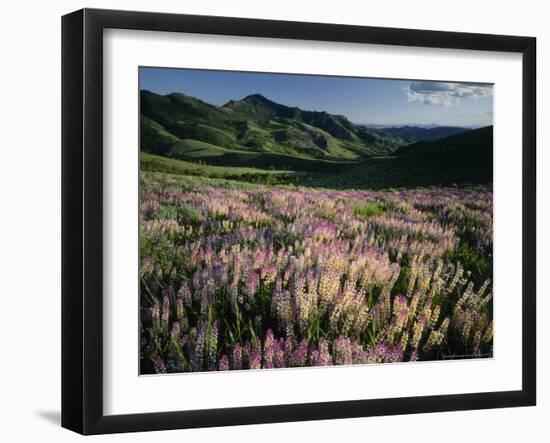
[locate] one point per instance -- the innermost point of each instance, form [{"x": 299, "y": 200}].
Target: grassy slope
[
  {"x": 157, "y": 164},
  {"x": 466, "y": 158},
  {"x": 462, "y": 159},
  {"x": 209, "y": 154},
  {"x": 255, "y": 125}
]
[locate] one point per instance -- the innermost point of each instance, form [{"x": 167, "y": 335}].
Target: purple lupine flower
[
  {"x": 185, "y": 294},
  {"x": 224, "y": 363},
  {"x": 279, "y": 358},
  {"x": 400, "y": 310},
  {"x": 198, "y": 352},
  {"x": 176, "y": 329},
  {"x": 155, "y": 315},
  {"x": 179, "y": 309},
  {"x": 342, "y": 351},
  {"x": 281, "y": 302},
  {"x": 237, "y": 357},
  {"x": 234, "y": 291},
  {"x": 288, "y": 350},
  {"x": 299, "y": 356},
  {"x": 165, "y": 316},
  {"x": 321, "y": 356},
  {"x": 386, "y": 352},
  {"x": 251, "y": 285},
  {"x": 159, "y": 366},
  {"x": 212, "y": 345},
  {"x": 246, "y": 352},
  {"x": 255, "y": 359},
  {"x": 270, "y": 349}
]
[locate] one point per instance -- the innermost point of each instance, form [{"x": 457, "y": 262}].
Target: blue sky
[{"x": 362, "y": 100}]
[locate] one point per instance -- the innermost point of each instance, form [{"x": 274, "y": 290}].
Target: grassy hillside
[
  {"x": 458, "y": 160},
  {"x": 254, "y": 124},
  {"x": 466, "y": 158},
  {"x": 154, "y": 163}
]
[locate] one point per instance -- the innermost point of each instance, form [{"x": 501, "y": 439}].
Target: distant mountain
[
  {"x": 411, "y": 134},
  {"x": 465, "y": 158},
  {"x": 253, "y": 130},
  {"x": 336, "y": 125},
  {"x": 399, "y": 125}
]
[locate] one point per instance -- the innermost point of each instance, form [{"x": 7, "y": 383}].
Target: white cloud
[{"x": 446, "y": 94}]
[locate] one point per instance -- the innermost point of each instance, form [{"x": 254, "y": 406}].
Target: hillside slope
[
  {"x": 466, "y": 158},
  {"x": 173, "y": 125}
]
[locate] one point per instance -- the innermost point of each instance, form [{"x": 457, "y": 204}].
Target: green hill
[
  {"x": 150, "y": 163},
  {"x": 466, "y": 158},
  {"x": 171, "y": 123}
]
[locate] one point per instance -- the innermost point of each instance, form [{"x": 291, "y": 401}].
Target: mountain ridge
[
  {"x": 412, "y": 134},
  {"x": 255, "y": 124}
]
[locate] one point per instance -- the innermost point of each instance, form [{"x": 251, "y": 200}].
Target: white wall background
[{"x": 30, "y": 219}]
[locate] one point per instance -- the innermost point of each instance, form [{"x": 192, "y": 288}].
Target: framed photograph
[{"x": 269, "y": 221}]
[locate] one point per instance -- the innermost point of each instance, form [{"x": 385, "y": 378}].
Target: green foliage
[
  {"x": 478, "y": 264},
  {"x": 154, "y": 137},
  {"x": 368, "y": 209},
  {"x": 182, "y": 213},
  {"x": 152, "y": 163}
]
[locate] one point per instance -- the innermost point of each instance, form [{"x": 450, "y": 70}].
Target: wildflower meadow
[{"x": 240, "y": 276}]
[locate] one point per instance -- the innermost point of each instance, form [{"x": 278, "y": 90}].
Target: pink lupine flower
[
  {"x": 185, "y": 294},
  {"x": 321, "y": 356},
  {"x": 237, "y": 357},
  {"x": 388, "y": 353},
  {"x": 212, "y": 344},
  {"x": 270, "y": 346},
  {"x": 198, "y": 352},
  {"x": 180, "y": 313},
  {"x": 400, "y": 310},
  {"x": 176, "y": 329},
  {"x": 255, "y": 358},
  {"x": 155, "y": 314},
  {"x": 165, "y": 316},
  {"x": 224, "y": 363},
  {"x": 342, "y": 351},
  {"x": 299, "y": 356},
  {"x": 160, "y": 368},
  {"x": 252, "y": 284}
]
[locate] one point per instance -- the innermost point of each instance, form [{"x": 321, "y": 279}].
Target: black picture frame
[{"x": 82, "y": 219}]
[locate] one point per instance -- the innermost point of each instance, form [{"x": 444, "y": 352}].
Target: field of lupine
[{"x": 237, "y": 276}]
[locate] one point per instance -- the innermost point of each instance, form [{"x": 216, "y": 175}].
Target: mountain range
[{"x": 260, "y": 133}]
